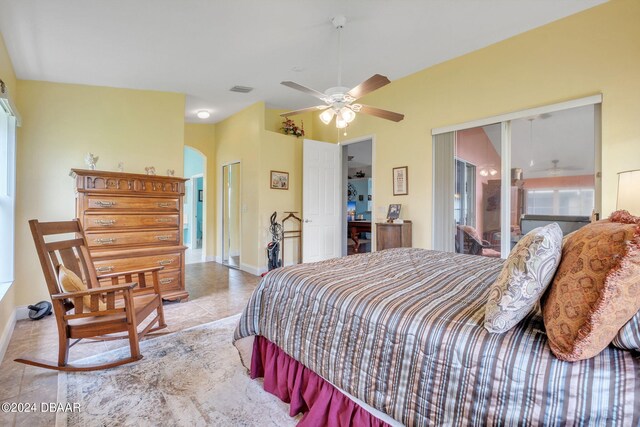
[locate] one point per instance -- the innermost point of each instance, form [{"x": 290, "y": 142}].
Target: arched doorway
[{"x": 194, "y": 221}]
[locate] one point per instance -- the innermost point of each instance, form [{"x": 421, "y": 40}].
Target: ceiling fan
[
  {"x": 340, "y": 101},
  {"x": 555, "y": 169}
]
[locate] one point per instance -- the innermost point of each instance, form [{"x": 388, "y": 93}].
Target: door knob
[{"x": 307, "y": 220}]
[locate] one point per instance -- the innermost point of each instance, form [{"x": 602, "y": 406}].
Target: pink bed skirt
[{"x": 305, "y": 391}]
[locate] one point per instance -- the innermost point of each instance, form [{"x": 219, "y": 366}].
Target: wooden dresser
[
  {"x": 134, "y": 221},
  {"x": 389, "y": 235}
]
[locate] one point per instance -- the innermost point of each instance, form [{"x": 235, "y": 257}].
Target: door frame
[
  {"x": 221, "y": 213},
  {"x": 374, "y": 212},
  {"x": 193, "y": 229}
]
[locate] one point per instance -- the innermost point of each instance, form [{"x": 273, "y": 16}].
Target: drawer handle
[
  {"x": 165, "y": 262},
  {"x": 164, "y": 220},
  {"x": 105, "y": 269},
  {"x": 163, "y": 237},
  {"x": 166, "y": 281},
  {"x": 105, "y": 203},
  {"x": 166, "y": 205},
  {"x": 106, "y": 241},
  {"x": 105, "y": 222}
]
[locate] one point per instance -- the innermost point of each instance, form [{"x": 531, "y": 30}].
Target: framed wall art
[
  {"x": 401, "y": 181},
  {"x": 279, "y": 180}
]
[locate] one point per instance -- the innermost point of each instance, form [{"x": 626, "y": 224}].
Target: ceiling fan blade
[
  {"x": 304, "y": 110},
  {"x": 372, "y": 83},
  {"x": 308, "y": 91},
  {"x": 383, "y": 114}
]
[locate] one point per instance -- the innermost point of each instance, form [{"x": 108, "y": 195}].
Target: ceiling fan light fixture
[
  {"x": 327, "y": 115},
  {"x": 347, "y": 114},
  {"x": 340, "y": 123}
]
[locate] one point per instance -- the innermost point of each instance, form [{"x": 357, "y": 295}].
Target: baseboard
[
  {"x": 252, "y": 269},
  {"x": 6, "y": 334},
  {"x": 218, "y": 259},
  {"x": 211, "y": 259}
]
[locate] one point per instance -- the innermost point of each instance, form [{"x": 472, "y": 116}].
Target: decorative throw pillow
[
  {"x": 596, "y": 289},
  {"x": 628, "y": 337},
  {"x": 524, "y": 277},
  {"x": 70, "y": 282}
]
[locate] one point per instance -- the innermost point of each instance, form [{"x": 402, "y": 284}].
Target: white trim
[
  {"x": 6, "y": 101},
  {"x": 371, "y": 138},
  {"x": 221, "y": 211},
  {"x": 5, "y": 338},
  {"x": 193, "y": 221},
  {"x": 574, "y": 103},
  {"x": 252, "y": 269},
  {"x": 210, "y": 259},
  {"x": 505, "y": 189}
]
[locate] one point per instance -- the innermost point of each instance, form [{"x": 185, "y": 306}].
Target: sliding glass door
[{"x": 495, "y": 182}]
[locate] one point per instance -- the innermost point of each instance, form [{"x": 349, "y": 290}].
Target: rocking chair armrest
[
  {"x": 132, "y": 272},
  {"x": 100, "y": 290}
]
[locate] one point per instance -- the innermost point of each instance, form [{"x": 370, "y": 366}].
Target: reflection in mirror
[
  {"x": 231, "y": 215},
  {"x": 477, "y": 191},
  {"x": 553, "y": 170}
]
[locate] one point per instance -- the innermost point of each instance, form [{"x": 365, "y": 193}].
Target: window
[
  {"x": 569, "y": 201},
  {"x": 7, "y": 191}
]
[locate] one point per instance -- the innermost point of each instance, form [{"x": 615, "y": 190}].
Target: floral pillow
[
  {"x": 596, "y": 290},
  {"x": 525, "y": 276}
]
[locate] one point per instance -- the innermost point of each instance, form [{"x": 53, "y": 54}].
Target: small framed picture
[
  {"x": 394, "y": 211},
  {"x": 401, "y": 181},
  {"x": 279, "y": 180}
]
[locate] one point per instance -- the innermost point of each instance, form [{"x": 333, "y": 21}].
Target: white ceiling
[
  {"x": 203, "y": 48},
  {"x": 362, "y": 154},
  {"x": 566, "y": 136}
]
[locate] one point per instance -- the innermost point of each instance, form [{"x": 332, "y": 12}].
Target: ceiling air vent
[{"x": 241, "y": 89}]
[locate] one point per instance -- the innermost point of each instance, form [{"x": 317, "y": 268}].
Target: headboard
[{"x": 568, "y": 224}]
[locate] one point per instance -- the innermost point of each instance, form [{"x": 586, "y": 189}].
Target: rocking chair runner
[{"x": 128, "y": 303}]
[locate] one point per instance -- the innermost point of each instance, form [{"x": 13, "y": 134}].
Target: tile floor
[{"x": 215, "y": 292}]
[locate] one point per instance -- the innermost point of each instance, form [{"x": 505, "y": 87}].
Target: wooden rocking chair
[{"x": 115, "y": 312}]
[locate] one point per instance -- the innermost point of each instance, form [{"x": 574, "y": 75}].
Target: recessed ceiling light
[{"x": 203, "y": 114}]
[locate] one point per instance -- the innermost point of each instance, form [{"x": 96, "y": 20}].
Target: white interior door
[{"x": 321, "y": 198}]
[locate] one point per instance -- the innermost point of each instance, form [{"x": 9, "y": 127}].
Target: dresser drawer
[
  {"x": 168, "y": 280},
  {"x": 168, "y": 261},
  {"x": 95, "y": 202},
  {"x": 133, "y": 238},
  {"x": 111, "y": 221}
]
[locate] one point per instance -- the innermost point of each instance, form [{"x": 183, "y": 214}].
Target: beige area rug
[{"x": 190, "y": 378}]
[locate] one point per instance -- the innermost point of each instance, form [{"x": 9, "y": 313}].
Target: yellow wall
[
  {"x": 61, "y": 123},
  {"x": 282, "y": 153},
  {"x": 248, "y": 137},
  {"x": 6, "y": 68},
  {"x": 7, "y": 301},
  {"x": 596, "y": 51},
  {"x": 238, "y": 139},
  {"x": 202, "y": 137}
]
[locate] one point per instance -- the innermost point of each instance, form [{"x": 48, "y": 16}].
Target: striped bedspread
[{"x": 402, "y": 330}]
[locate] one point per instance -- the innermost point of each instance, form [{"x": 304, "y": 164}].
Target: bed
[{"x": 399, "y": 332}]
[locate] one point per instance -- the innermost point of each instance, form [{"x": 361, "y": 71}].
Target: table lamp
[{"x": 629, "y": 191}]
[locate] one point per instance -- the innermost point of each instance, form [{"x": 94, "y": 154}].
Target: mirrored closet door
[{"x": 231, "y": 215}]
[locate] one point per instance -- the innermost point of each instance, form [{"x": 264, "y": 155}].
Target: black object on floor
[{"x": 39, "y": 310}]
